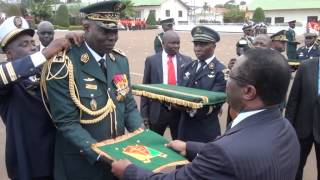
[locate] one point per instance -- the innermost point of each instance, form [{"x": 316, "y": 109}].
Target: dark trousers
[
  {"x": 306, "y": 145},
  {"x": 167, "y": 118}
]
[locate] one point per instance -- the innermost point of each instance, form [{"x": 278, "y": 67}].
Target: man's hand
[
  {"x": 179, "y": 146},
  {"x": 55, "y": 47},
  {"x": 76, "y": 38},
  {"x": 118, "y": 167}
]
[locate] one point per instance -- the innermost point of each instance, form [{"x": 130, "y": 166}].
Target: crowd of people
[{"x": 55, "y": 110}]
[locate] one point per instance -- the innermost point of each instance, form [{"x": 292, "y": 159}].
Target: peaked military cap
[
  {"x": 167, "y": 21},
  {"x": 11, "y": 28},
  {"x": 279, "y": 36},
  {"x": 292, "y": 21},
  {"x": 204, "y": 34},
  {"x": 310, "y": 35},
  {"x": 247, "y": 26},
  {"x": 106, "y": 14}
]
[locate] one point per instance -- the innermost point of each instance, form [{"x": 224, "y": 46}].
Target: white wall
[
  {"x": 146, "y": 9},
  {"x": 299, "y": 15},
  {"x": 174, "y": 6}
]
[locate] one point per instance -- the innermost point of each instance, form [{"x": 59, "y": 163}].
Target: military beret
[
  {"x": 279, "y": 36},
  {"x": 310, "y": 35},
  {"x": 106, "y": 13},
  {"x": 204, "y": 34},
  {"x": 247, "y": 27},
  {"x": 11, "y": 28},
  {"x": 167, "y": 21}
]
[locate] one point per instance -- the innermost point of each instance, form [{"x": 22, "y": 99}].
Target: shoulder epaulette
[{"x": 119, "y": 52}]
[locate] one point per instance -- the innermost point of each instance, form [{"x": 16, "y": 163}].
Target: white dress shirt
[
  {"x": 165, "y": 66},
  {"x": 243, "y": 116},
  {"x": 207, "y": 62},
  {"x": 96, "y": 56}
]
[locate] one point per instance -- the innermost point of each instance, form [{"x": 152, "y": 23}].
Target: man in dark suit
[
  {"x": 205, "y": 73},
  {"x": 311, "y": 49},
  {"x": 303, "y": 110},
  {"x": 260, "y": 145},
  {"x": 29, "y": 129},
  {"x": 164, "y": 67}
]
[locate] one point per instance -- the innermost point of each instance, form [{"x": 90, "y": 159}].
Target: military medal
[
  {"x": 84, "y": 58},
  {"x": 93, "y": 103},
  {"x": 122, "y": 85}
]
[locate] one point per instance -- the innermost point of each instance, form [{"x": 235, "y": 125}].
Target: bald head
[
  {"x": 171, "y": 42},
  {"x": 45, "y": 32},
  {"x": 262, "y": 41}
]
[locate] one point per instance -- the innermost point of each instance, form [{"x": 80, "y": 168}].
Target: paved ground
[{"x": 138, "y": 45}]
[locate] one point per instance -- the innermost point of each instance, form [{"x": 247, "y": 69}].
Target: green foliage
[
  {"x": 129, "y": 10},
  {"x": 151, "y": 20},
  {"x": 62, "y": 16},
  {"x": 234, "y": 16},
  {"x": 258, "y": 15},
  {"x": 12, "y": 10},
  {"x": 41, "y": 9}
]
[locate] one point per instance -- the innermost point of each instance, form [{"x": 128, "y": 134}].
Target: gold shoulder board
[{"x": 118, "y": 51}]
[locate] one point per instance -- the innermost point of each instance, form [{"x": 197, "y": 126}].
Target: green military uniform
[
  {"x": 291, "y": 44},
  {"x": 88, "y": 104},
  {"x": 158, "y": 43},
  {"x": 166, "y": 24}
]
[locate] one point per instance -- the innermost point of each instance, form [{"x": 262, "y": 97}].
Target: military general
[{"x": 90, "y": 99}]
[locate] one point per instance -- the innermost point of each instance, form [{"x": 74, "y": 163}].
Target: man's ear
[
  {"x": 8, "y": 54},
  {"x": 249, "y": 92}
]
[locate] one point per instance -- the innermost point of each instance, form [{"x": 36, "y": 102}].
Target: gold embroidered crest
[{"x": 84, "y": 58}]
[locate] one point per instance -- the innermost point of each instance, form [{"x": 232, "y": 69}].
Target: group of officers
[
  {"x": 309, "y": 50},
  {"x": 84, "y": 97}
]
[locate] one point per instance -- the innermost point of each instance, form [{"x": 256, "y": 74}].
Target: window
[
  {"x": 167, "y": 13},
  {"x": 279, "y": 20},
  {"x": 180, "y": 13},
  {"x": 268, "y": 20}
]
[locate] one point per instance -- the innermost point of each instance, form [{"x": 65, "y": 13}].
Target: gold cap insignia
[
  {"x": 17, "y": 22},
  {"x": 198, "y": 30},
  {"x": 84, "y": 58}
]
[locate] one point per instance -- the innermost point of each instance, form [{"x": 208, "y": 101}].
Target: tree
[
  {"x": 62, "y": 16},
  {"x": 234, "y": 16},
  {"x": 41, "y": 9},
  {"x": 12, "y": 10},
  {"x": 129, "y": 10},
  {"x": 151, "y": 20},
  {"x": 258, "y": 15}
]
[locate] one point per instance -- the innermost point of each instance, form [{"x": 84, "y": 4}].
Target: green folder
[{"x": 143, "y": 148}]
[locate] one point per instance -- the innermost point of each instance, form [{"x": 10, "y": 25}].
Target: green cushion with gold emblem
[
  {"x": 179, "y": 95},
  {"x": 143, "y": 148}
]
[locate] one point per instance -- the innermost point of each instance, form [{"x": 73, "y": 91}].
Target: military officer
[
  {"x": 29, "y": 130},
  {"x": 279, "y": 41},
  {"x": 90, "y": 97},
  {"x": 166, "y": 24},
  {"x": 246, "y": 40},
  {"x": 292, "y": 43},
  {"x": 205, "y": 73},
  {"x": 311, "y": 49},
  {"x": 45, "y": 33}
]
